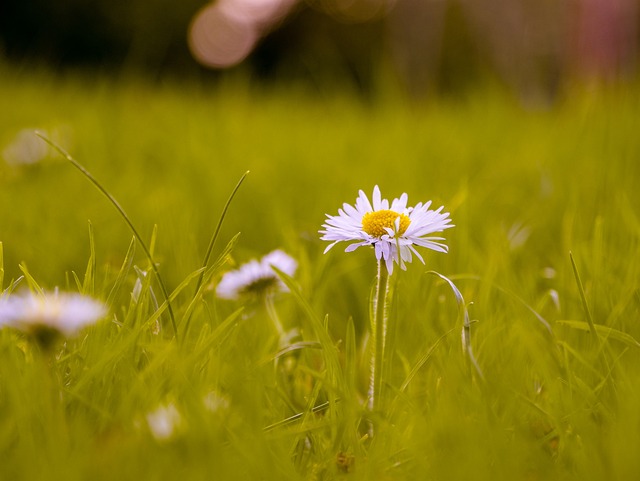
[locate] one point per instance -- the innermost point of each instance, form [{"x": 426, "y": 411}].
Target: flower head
[
  {"x": 47, "y": 315},
  {"x": 257, "y": 277},
  {"x": 393, "y": 229}
]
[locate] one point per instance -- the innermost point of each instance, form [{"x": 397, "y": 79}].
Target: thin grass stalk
[
  {"x": 124, "y": 215},
  {"x": 122, "y": 273},
  {"x": 205, "y": 277},
  {"x": 583, "y": 297},
  {"x": 214, "y": 237},
  {"x": 463, "y": 314},
  {"x": 270, "y": 307},
  {"x": 89, "y": 284}
]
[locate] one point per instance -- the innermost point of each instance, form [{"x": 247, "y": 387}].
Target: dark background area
[{"x": 534, "y": 47}]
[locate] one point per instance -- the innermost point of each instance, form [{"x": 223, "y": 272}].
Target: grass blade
[
  {"x": 33, "y": 285},
  {"x": 167, "y": 303},
  {"x": 421, "y": 362},
  {"x": 212, "y": 242},
  {"x": 514, "y": 296},
  {"x": 328, "y": 347},
  {"x": 205, "y": 275},
  {"x": 122, "y": 274},
  {"x": 585, "y": 306},
  {"x": 463, "y": 314},
  {"x": 604, "y": 331},
  {"x": 88, "y": 286},
  {"x": 125, "y": 217},
  {"x": 216, "y": 334}
]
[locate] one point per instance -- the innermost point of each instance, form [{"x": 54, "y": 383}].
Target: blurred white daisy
[
  {"x": 390, "y": 228},
  {"x": 164, "y": 421},
  {"x": 26, "y": 148},
  {"x": 45, "y": 315},
  {"x": 256, "y": 277},
  {"x": 216, "y": 402}
]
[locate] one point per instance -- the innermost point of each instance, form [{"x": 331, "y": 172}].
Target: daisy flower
[
  {"x": 60, "y": 312},
  {"x": 393, "y": 229},
  {"x": 45, "y": 317},
  {"x": 256, "y": 277}
]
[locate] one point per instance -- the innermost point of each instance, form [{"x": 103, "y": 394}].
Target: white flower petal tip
[
  {"x": 392, "y": 228},
  {"x": 257, "y": 277},
  {"x": 65, "y": 313}
]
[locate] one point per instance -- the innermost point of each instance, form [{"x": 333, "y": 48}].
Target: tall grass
[{"x": 554, "y": 394}]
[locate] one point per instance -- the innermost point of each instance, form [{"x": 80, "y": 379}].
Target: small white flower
[
  {"x": 58, "y": 312},
  {"x": 164, "y": 421},
  {"x": 389, "y": 228},
  {"x": 256, "y": 277},
  {"x": 216, "y": 402}
]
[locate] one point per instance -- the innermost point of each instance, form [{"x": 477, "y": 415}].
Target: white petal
[
  {"x": 362, "y": 203},
  {"x": 389, "y": 264},
  {"x": 413, "y": 249},
  {"x": 376, "y": 198},
  {"x": 352, "y": 247},
  {"x": 400, "y": 205},
  {"x": 378, "y": 249},
  {"x": 330, "y": 246}
]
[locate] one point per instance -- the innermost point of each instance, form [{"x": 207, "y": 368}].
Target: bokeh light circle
[{"x": 218, "y": 40}]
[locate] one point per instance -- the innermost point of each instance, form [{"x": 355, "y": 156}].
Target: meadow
[{"x": 545, "y": 254}]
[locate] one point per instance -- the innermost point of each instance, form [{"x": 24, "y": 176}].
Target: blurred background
[{"x": 536, "y": 48}]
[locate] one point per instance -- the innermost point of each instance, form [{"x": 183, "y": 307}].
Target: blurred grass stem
[{"x": 273, "y": 315}]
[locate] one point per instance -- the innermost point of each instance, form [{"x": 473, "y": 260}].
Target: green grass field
[{"x": 559, "y": 393}]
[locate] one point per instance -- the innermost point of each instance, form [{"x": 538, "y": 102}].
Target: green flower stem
[{"x": 380, "y": 304}]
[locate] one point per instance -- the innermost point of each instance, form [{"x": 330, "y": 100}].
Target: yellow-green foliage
[{"x": 558, "y": 397}]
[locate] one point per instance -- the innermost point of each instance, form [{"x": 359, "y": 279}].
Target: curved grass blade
[
  {"x": 212, "y": 242},
  {"x": 33, "y": 284},
  {"x": 513, "y": 295},
  {"x": 122, "y": 274},
  {"x": 124, "y": 215},
  {"x": 466, "y": 323},
  {"x": 216, "y": 334},
  {"x": 421, "y": 362},
  {"x": 88, "y": 286},
  {"x": 12, "y": 286},
  {"x": 205, "y": 275},
  {"x": 77, "y": 281},
  {"x": 167, "y": 303},
  {"x": 186, "y": 318},
  {"x": 298, "y": 346},
  {"x": 328, "y": 347},
  {"x": 350, "y": 359},
  {"x": 585, "y": 306},
  {"x": 604, "y": 331},
  {"x": 292, "y": 419},
  {"x": 333, "y": 375}
]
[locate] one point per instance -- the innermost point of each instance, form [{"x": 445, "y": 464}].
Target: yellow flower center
[{"x": 374, "y": 223}]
